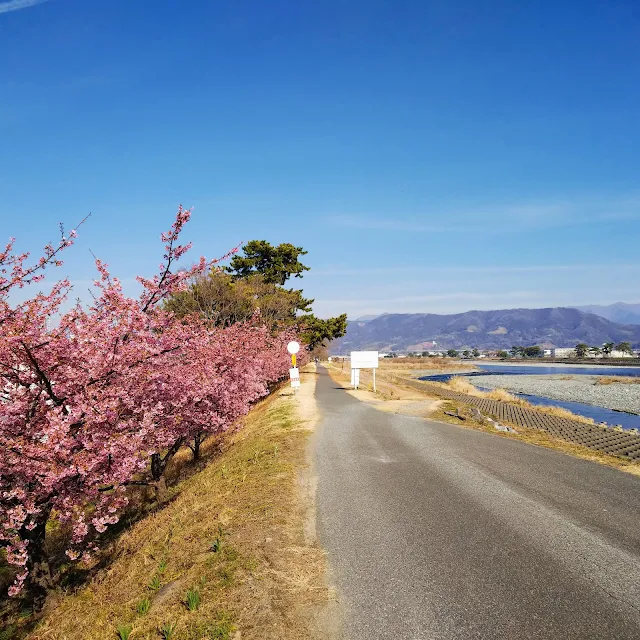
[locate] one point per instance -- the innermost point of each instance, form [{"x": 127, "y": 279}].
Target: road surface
[{"x": 435, "y": 531}]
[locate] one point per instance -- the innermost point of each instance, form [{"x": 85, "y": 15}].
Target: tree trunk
[
  {"x": 158, "y": 466},
  {"x": 39, "y": 580},
  {"x": 197, "y": 442}
]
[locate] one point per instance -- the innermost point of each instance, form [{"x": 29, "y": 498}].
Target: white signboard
[
  {"x": 364, "y": 359},
  {"x": 294, "y": 374}
]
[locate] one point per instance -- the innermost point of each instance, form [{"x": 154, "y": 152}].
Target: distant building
[{"x": 563, "y": 352}]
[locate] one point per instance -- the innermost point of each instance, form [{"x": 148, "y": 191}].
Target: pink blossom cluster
[{"x": 103, "y": 399}]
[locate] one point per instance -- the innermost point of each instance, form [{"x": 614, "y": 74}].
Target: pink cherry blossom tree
[{"x": 104, "y": 398}]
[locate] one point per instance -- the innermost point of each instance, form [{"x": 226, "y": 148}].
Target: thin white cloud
[
  {"x": 501, "y": 218},
  {"x": 16, "y": 5}
]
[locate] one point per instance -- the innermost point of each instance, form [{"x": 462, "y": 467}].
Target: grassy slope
[{"x": 266, "y": 580}]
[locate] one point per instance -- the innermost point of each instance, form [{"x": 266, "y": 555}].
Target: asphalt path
[{"x": 436, "y": 531}]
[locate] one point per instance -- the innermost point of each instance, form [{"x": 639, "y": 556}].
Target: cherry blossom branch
[
  {"x": 42, "y": 376},
  {"x": 20, "y": 276}
]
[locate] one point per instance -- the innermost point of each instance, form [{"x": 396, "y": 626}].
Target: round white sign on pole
[{"x": 293, "y": 347}]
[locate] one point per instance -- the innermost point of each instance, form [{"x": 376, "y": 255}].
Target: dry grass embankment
[
  {"x": 232, "y": 555},
  {"x": 427, "y": 364},
  {"x": 616, "y": 380},
  {"x": 462, "y": 385},
  {"x": 399, "y": 365}
]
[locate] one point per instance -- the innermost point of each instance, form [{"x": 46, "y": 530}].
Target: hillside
[
  {"x": 621, "y": 312},
  {"x": 559, "y": 327}
]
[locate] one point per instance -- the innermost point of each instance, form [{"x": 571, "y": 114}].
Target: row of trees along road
[
  {"x": 453, "y": 353},
  {"x": 606, "y": 349},
  {"x": 581, "y": 350},
  {"x": 97, "y": 400}
]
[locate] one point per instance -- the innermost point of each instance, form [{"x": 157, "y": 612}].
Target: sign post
[
  {"x": 293, "y": 348},
  {"x": 363, "y": 360},
  {"x": 294, "y": 375}
]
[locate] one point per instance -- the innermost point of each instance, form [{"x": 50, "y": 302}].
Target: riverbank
[{"x": 582, "y": 388}]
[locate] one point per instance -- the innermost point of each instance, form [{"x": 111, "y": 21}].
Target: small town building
[{"x": 563, "y": 352}]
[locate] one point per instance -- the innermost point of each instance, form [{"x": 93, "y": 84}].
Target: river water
[{"x": 599, "y": 414}]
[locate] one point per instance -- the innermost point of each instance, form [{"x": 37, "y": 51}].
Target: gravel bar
[{"x": 581, "y": 388}]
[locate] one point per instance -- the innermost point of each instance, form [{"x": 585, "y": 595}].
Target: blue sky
[{"x": 432, "y": 156}]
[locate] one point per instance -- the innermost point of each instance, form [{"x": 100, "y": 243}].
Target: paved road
[{"x": 434, "y": 531}]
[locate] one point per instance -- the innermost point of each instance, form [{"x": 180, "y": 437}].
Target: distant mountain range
[
  {"x": 554, "y": 327},
  {"x": 620, "y": 312}
]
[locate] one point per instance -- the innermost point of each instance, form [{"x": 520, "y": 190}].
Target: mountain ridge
[
  {"x": 496, "y": 329},
  {"x": 620, "y": 312}
]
